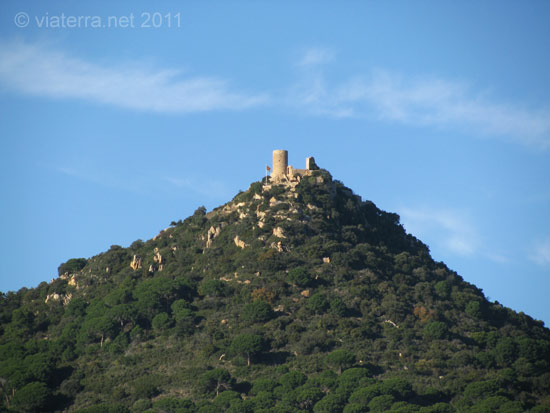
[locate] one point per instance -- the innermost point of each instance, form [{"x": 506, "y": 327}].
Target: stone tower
[
  {"x": 283, "y": 173},
  {"x": 280, "y": 163}
]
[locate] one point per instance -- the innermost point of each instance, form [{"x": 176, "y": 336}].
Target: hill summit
[{"x": 295, "y": 296}]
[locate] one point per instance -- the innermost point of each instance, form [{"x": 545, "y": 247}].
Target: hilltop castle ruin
[{"x": 282, "y": 172}]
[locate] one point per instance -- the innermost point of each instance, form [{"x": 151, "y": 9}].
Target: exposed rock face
[
  {"x": 161, "y": 233},
  {"x": 136, "y": 263},
  {"x": 67, "y": 299},
  {"x": 56, "y": 297},
  {"x": 279, "y": 308},
  {"x": 230, "y": 208},
  {"x": 212, "y": 233},
  {"x": 72, "y": 282},
  {"x": 239, "y": 242},
  {"x": 278, "y": 232},
  {"x": 52, "y": 297},
  {"x": 158, "y": 259},
  {"x": 278, "y": 246}
]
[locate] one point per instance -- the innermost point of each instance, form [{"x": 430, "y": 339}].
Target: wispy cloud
[
  {"x": 316, "y": 56},
  {"x": 104, "y": 178},
  {"x": 208, "y": 188},
  {"x": 450, "y": 229},
  {"x": 39, "y": 69},
  {"x": 146, "y": 184},
  {"x": 429, "y": 101},
  {"x": 541, "y": 253},
  {"x": 42, "y": 70}
]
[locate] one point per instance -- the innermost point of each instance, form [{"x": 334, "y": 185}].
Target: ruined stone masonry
[{"x": 283, "y": 173}]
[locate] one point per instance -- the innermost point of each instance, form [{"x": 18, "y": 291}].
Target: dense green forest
[{"x": 287, "y": 299}]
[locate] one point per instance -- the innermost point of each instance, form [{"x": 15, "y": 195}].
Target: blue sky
[{"x": 436, "y": 110}]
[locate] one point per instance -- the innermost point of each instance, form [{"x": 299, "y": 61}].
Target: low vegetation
[{"x": 283, "y": 300}]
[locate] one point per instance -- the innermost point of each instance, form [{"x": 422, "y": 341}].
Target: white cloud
[
  {"x": 207, "y": 188},
  {"x": 425, "y": 102},
  {"x": 146, "y": 184},
  {"x": 541, "y": 253},
  {"x": 449, "y": 229},
  {"x": 39, "y": 69},
  {"x": 316, "y": 56},
  {"x": 102, "y": 177}
]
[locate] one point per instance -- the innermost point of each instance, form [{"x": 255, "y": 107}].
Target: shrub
[
  {"x": 505, "y": 351},
  {"x": 481, "y": 389},
  {"x": 354, "y": 408},
  {"x": 364, "y": 395},
  {"x": 299, "y": 276},
  {"x": 329, "y": 404},
  {"x": 172, "y": 404},
  {"x": 257, "y": 312},
  {"x": 145, "y": 387},
  {"x": 352, "y": 379},
  {"x": 216, "y": 380},
  {"x": 263, "y": 385},
  {"x": 337, "y": 307},
  {"x": 105, "y": 408},
  {"x": 224, "y": 399},
  {"x": 474, "y": 309},
  {"x": 292, "y": 380},
  {"x": 247, "y": 345},
  {"x": 263, "y": 400},
  {"x": 31, "y": 397},
  {"x": 340, "y": 359},
  {"x": 436, "y": 330},
  {"x": 399, "y": 388},
  {"x": 443, "y": 289},
  {"x": 214, "y": 288},
  {"x": 161, "y": 321},
  {"x": 381, "y": 403},
  {"x": 308, "y": 396},
  {"x": 72, "y": 266},
  {"x": 317, "y": 303}
]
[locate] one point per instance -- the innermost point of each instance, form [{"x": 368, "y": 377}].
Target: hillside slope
[{"x": 286, "y": 299}]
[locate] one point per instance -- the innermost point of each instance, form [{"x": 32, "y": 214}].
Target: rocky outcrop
[
  {"x": 52, "y": 297},
  {"x": 161, "y": 233},
  {"x": 56, "y": 297},
  {"x": 72, "y": 282},
  {"x": 278, "y": 246},
  {"x": 239, "y": 242},
  {"x": 279, "y": 308},
  {"x": 212, "y": 233},
  {"x": 136, "y": 263},
  {"x": 278, "y": 232},
  {"x": 158, "y": 259}
]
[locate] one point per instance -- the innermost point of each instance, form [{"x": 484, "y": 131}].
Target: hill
[{"x": 290, "y": 298}]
